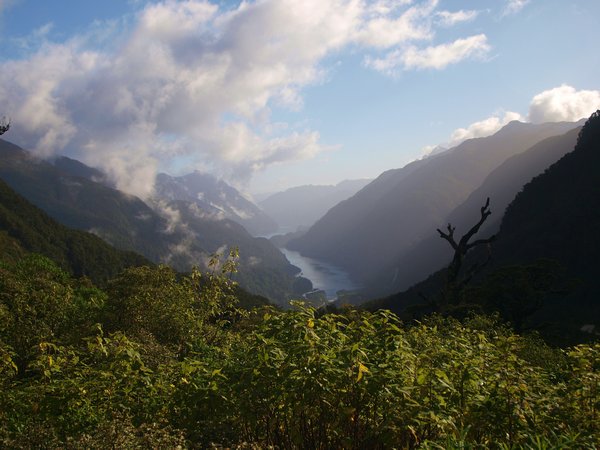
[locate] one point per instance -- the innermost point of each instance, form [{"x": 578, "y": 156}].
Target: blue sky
[{"x": 277, "y": 93}]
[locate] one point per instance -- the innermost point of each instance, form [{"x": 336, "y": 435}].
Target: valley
[{"x": 299, "y": 224}]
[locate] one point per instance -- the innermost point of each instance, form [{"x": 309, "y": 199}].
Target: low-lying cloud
[{"x": 191, "y": 81}]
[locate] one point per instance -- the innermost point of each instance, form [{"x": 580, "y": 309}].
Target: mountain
[
  {"x": 557, "y": 217},
  {"x": 263, "y": 268},
  {"x": 368, "y": 233},
  {"x": 163, "y": 233},
  {"x": 122, "y": 220},
  {"x": 26, "y": 228},
  {"x": 302, "y": 206},
  {"x": 501, "y": 186},
  {"x": 217, "y": 197},
  {"x": 436, "y": 151},
  {"x": 76, "y": 168},
  {"x": 551, "y": 226}
]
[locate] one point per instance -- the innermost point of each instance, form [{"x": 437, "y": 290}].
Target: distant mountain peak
[
  {"x": 302, "y": 206},
  {"x": 214, "y": 195}
]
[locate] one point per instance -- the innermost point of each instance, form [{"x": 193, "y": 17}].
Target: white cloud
[
  {"x": 389, "y": 29},
  {"x": 434, "y": 57},
  {"x": 188, "y": 80},
  {"x": 514, "y": 6},
  {"x": 483, "y": 128},
  {"x": 563, "y": 103},
  {"x": 448, "y": 19},
  {"x": 440, "y": 56}
]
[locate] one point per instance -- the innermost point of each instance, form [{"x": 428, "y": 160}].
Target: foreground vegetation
[{"x": 157, "y": 360}]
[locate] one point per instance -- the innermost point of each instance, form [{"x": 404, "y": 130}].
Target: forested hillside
[
  {"x": 77, "y": 252},
  {"x": 543, "y": 267},
  {"x": 67, "y": 192}
]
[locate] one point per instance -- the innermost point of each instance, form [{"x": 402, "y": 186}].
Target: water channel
[{"x": 324, "y": 276}]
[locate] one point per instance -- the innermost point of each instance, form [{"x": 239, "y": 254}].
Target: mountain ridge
[
  {"x": 550, "y": 226},
  {"x": 368, "y": 232},
  {"x": 301, "y": 206},
  {"x": 215, "y": 196},
  {"x": 501, "y": 185},
  {"x": 78, "y": 252}
]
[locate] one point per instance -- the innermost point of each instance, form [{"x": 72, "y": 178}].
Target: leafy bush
[{"x": 174, "y": 362}]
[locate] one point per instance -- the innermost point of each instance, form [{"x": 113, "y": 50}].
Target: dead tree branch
[{"x": 453, "y": 284}]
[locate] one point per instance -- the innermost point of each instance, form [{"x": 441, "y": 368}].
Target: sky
[{"x": 270, "y": 94}]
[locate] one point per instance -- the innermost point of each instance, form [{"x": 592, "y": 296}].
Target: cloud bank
[{"x": 193, "y": 83}]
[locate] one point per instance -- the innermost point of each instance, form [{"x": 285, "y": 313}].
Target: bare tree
[{"x": 454, "y": 283}]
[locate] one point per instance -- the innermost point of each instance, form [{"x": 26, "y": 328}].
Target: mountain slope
[
  {"x": 556, "y": 217},
  {"x": 78, "y": 252},
  {"x": 128, "y": 223},
  {"x": 302, "y": 206},
  {"x": 76, "y": 168},
  {"x": 122, "y": 220},
  {"x": 263, "y": 268},
  {"x": 217, "y": 197},
  {"x": 501, "y": 186},
  {"x": 368, "y": 233}
]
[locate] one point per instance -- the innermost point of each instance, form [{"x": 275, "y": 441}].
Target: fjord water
[{"x": 324, "y": 276}]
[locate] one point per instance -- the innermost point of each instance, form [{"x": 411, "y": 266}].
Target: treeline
[{"x": 157, "y": 360}]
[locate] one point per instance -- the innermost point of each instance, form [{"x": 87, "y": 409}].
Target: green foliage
[
  {"x": 362, "y": 380},
  {"x": 176, "y": 311},
  {"x": 38, "y": 302},
  {"x": 174, "y": 362}
]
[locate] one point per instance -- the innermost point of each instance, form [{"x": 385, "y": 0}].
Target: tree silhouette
[{"x": 455, "y": 283}]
